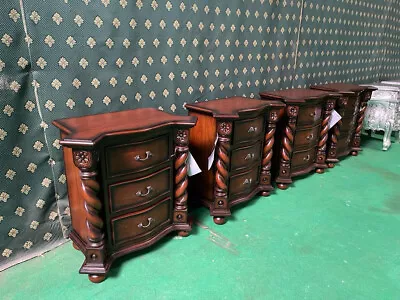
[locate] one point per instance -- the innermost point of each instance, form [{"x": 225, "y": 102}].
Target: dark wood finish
[
  {"x": 127, "y": 182},
  {"x": 245, "y": 130},
  {"x": 344, "y": 137},
  {"x": 303, "y": 132}
]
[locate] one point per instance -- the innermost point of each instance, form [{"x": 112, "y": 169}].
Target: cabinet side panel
[
  {"x": 201, "y": 143},
  {"x": 78, "y": 213}
]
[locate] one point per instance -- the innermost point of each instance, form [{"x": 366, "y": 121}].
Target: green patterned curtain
[{"x": 65, "y": 58}]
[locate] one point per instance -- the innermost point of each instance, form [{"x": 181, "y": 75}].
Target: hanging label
[
  {"x": 211, "y": 157},
  {"x": 193, "y": 167},
  {"x": 335, "y": 117}
]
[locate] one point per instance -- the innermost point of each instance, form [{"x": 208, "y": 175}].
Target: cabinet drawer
[
  {"x": 135, "y": 192},
  {"x": 141, "y": 223},
  {"x": 309, "y": 115},
  {"x": 245, "y": 156},
  {"x": 137, "y": 156},
  {"x": 249, "y": 129},
  {"x": 351, "y": 107},
  {"x": 303, "y": 158},
  {"x": 243, "y": 182},
  {"x": 307, "y": 137}
]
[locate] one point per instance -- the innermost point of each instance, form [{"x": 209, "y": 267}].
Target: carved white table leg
[
  {"x": 397, "y": 134},
  {"x": 387, "y": 135}
]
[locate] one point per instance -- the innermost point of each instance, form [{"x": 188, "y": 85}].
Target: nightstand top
[
  {"x": 297, "y": 95},
  {"x": 343, "y": 88},
  {"x": 233, "y": 107},
  {"x": 89, "y": 130}
]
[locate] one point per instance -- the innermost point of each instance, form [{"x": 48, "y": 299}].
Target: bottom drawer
[
  {"x": 140, "y": 223},
  {"x": 243, "y": 182},
  {"x": 303, "y": 158}
]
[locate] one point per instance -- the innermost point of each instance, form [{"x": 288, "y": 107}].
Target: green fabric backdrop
[{"x": 64, "y": 58}]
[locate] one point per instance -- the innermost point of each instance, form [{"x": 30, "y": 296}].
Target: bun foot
[
  {"x": 265, "y": 194},
  {"x": 96, "y": 278},
  {"x": 331, "y": 165},
  {"x": 183, "y": 233},
  {"x": 282, "y": 186},
  {"x": 75, "y": 246},
  {"x": 354, "y": 153},
  {"x": 219, "y": 220},
  {"x": 320, "y": 171}
]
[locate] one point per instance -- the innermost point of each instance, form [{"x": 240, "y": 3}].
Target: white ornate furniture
[{"x": 383, "y": 112}]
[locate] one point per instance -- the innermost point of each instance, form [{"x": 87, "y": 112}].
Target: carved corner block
[
  {"x": 323, "y": 138},
  {"x": 284, "y": 175},
  {"x": 222, "y": 164},
  {"x": 181, "y": 176}
]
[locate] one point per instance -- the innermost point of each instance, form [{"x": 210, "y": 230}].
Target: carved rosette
[
  {"x": 86, "y": 161},
  {"x": 321, "y": 153},
  {"x": 288, "y": 138},
  {"x": 268, "y": 146},
  {"x": 222, "y": 164},
  {"x": 181, "y": 178}
]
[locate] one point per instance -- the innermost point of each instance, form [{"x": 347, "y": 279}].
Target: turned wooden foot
[
  {"x": 265, "y": 193},
  {"x": 331, "y": 165},
  {"x": 282, "y": 186},
  {"x": 354, "y": 153},
  {"x": 320, "y": 171},
  {"x": 75, "y": 246},
  {"x": 219, "y": 220},
  {"x": 96, "y": 278},
  {"x": 183, "y": 233}
]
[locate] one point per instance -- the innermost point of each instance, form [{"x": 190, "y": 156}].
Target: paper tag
[
  {"x": 335, "y": 117},
  {"x": 211, "y": 157},
  {"x": 193, "y": 167}
]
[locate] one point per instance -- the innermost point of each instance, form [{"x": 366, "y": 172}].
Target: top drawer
[
  {"x": 249, "y": 129},
  {"x": 309, "y": 115},
  {"x": 138, "y": 156}
]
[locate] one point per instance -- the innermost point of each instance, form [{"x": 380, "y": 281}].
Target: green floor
[{"x": 330, "y": 236}]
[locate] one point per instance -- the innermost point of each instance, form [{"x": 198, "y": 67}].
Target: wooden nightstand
[
  {"x": 127, "y": 180},
  {"x": 345, "y": 136},
  {"x": 303, "y": 132},
  {"x": 245, "y": 130}
]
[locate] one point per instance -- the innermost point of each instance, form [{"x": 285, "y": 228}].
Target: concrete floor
[{"x": 330, "y": 236}]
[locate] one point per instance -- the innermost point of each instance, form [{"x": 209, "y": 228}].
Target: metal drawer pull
[
  {"x": 252, "y": 129},
  {"x": 307, "y": 158},
  {"x": 310, "y": 136},
  {"x": 140, "y": 194},
  {"x": 312, "y": 114},
  {"x": 249, "y": 156},
  {"x": 149, "y": 220},
  {"x": 247, "y": 181},
  {"x": 148, "y": 155}
]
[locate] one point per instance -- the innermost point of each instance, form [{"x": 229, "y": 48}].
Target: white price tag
[
  {"x": 211, "y": 157},
  {"x": 193, "y": 167},
  {"x": 335, "y": 117}
]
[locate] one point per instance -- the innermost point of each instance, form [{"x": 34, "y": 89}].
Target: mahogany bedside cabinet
[
  {"x": 345, "y": 135},
  {"x": 127, "y": 182},
  {"x": 302, "y": 134},
  {"x": 243, "y": 130}
]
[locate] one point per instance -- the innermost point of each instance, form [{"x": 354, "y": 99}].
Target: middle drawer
[
  {"x": 245, "y": 156},
  {"x": 306, "y": 137},
  {"x": 140, "y": 191}
]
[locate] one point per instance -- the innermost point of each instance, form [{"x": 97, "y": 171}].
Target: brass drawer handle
[
  {"x": 249, "y": 156},
  {"x": 307, "y": 158},
  {"x": 149, "y": 220},
  {"x": 312, "y": 114},
  {"x": 310, "y": 136},
  {"x": 247, "y": 181},
  {"x": 148, "y": 155},
  {"x": 252, "y": 129},
  {"x": 140, "y": 194}
]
